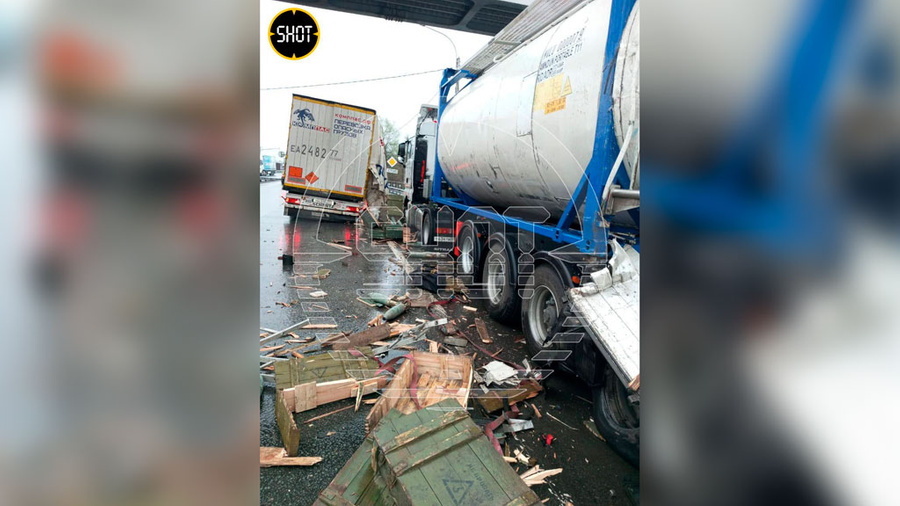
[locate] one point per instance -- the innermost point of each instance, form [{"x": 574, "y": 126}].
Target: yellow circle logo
[{"x": 293, "y": 34}]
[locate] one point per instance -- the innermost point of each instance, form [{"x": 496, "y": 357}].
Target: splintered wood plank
[
  {"x": 482, "y": 331},
  {"x": 305, "y": 397},
  {"x": 364, "y": 338},
  {"x": 287, "y": 426},
  {"x": 272, "y": 457}
]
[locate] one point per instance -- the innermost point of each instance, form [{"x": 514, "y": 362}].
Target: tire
[
  {"x": 498, "y": 278},
  {"x": 616, "y": 420},
  {"x": 427, "y": 227},
  {"x": 469, "y": 250},
  {"x": 292, "y": 214},
  {"x": 543, "y": 307}
]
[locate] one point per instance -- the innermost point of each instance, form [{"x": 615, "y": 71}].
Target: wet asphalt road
[{"x": 592, "y": 473}]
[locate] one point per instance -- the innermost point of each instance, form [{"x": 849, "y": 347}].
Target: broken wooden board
[
  {"x": 324, "y": 367},
  {"x": 275, "y": 457},
  {"x": 311, "y": 395},
  {"x": 435, "y": 377},
  {"x": 536, "y": 475},
  {"x": 364, "y": 338},
  {"x": 287, "y": 426},
  {"x": 482, "y": 331},
  {"x": 492, "y": 400},
  {"x": 423, "y": 300}
]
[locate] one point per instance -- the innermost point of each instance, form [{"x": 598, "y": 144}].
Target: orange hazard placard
[
  {"x": 312, "y": 177},
  {"x": 295, "y": 174}
]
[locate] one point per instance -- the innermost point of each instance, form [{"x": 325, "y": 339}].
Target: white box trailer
[{"x": 331, "y": 147}]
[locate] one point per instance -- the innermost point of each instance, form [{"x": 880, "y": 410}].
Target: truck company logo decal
[
  {"x": 303, "y": 118},
  {"x": 293, "y": 34}
]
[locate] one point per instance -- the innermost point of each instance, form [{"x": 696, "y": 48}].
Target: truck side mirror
[{"x": 401, "y": 150}]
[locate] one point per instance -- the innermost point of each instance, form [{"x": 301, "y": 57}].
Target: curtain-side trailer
[{"x": 331, "y": 147}]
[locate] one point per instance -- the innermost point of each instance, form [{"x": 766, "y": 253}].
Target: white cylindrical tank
[{"x": 523, "y": 132}]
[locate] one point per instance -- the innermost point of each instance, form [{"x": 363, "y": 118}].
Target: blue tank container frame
[{"x": 593, "y": 236}]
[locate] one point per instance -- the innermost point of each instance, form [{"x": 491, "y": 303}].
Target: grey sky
[{"x": 357, "y": 47}]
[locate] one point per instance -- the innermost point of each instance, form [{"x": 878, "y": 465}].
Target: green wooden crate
[
  {"x": 332, "y": 366},
  {"x": 434, "y": 456}
]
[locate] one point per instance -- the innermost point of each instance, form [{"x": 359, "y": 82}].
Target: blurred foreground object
[
  {"x": 771, "y": 146},
  {"x": 148, "y": 261}
]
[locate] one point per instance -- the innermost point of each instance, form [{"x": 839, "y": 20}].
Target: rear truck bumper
[
  {"x": 318, "y": 207},
  {"x": 609, "y": 309}
]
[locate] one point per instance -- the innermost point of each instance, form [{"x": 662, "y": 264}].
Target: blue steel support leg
[{"x": 606, "y": 149}]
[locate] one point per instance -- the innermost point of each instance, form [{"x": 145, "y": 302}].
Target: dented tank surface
[{"x": 523, "y": 132}]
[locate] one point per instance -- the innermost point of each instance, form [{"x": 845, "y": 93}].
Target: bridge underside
[{"x": 486, "y": 17}]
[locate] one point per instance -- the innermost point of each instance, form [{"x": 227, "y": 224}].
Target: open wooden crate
[{"x": 435, "y": 376}]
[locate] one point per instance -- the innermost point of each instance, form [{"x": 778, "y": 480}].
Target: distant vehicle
[{"x": 330, "y": 149}]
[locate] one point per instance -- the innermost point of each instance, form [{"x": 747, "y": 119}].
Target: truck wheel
[
  {"x": 542, "y": 309},
  {"x": 616, "y": 420},
  {"x": 292, "y": 214},
  {"x": 469, "y": 250},
  {"x": 498, "y": 278},
  {"x": 427, "y": 227}
]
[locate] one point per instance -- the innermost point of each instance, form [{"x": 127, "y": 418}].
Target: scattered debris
[
  {"x": 287, "y": 426},
  {"x": 273, "y": 457},
  {"x": 536, "y": 411},
  {"x": 377, "y": 299},
  {"x": 366, "y": 303},
  {"x": 285, "y": 304},
  {"x": 536, "y": 476},
  {"x": 493, "y": 400},
  {"x": 394, "y": 312},
  {"x": 470, "y": 308},
  {"x": 498, "y": 372},
  {"x": 322, "y": 274},
  {"x": 560, "y": 421},
  {"x": 364, "y": 338},
  {"x": 547, "y": 439},
  {"x": 330, "y": 433},
  {"x": 482, "y": 331},
  {"x": 455, "y": 341},
  {"x": 271, "y": 348},
  {"x": 318, "y": 294},
  {"x": 319, "y": 326},
  {"x": 313, "y": 419},
  {"x": 593, "y": 430},
  {"x": 423, "y": 300},
  {"x": 424, "y": 379}
]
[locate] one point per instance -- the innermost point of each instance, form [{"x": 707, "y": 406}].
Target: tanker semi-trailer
[{"x": 535, "y": 189}]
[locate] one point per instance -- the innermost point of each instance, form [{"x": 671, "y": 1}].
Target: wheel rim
[
  {"x": 496, "y": 280},
  {"x": 543, "y": 312},
  {"x": 467, "y": 256}
]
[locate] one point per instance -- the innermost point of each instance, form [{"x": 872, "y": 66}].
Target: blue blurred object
[{"x": 763, "y": 186}]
